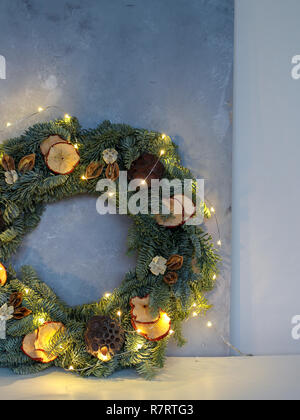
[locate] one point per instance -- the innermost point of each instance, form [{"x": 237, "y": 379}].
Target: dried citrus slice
[{"x": 62, "y": 158}]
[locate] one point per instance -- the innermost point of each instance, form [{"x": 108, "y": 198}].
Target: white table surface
[{"x": 275, "y": 377}]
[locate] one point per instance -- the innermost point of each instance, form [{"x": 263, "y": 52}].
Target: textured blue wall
[{"x": 161, "y": 64}]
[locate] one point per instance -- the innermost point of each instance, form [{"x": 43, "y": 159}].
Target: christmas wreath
[{"x": 177, "y": 263}]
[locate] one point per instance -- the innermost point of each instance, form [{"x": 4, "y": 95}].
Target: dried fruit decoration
[
  {"x": 3, "y": 275},
  {"x": 110, "y": 157},
  {"x": 27, "y": 163},
  {"x": 94, "y": 170},
  {"x": 151, "y": 328},
  {"x": 62, "y": 158},
  {"x": 15, "y": 301},
  {"x": 10, "y": 174},
  {"x": 174, "y": 263},
  {"x": 36, "y": 344}
]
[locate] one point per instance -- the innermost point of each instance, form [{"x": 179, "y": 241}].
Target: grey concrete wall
[
  {"x": 266, "y": 172},
  {"x": 161, "y": 64}
]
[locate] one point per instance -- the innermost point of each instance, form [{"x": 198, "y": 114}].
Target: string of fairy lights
[{"x": 41, "y": 319}]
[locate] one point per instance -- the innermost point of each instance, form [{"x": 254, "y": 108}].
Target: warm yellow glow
[
  {"x": 111, "y": 194},
  {"x": 83, "y": 178},
  {"x": 71, "y": 368},
  {"x": 26, "y": 291},
  {"x": 41, "y": 320},
  {"x": 163, "y": 136},
  {"x": 162, "y": 152},
  {"x": 171, "y": 332},
  {"x": 8, "y": 124},
  {"x": 107, "y": 295},
  {"x": 212, "y": 210},
  {"x": 138, "y": 331},
  {"x": 76, "y": 146},
  {"x": 219, "y": 243},
  {"x": 214, "y": 277},
  {"x": 166, "y": 317},
  {"x": 209, "y": 324},
  {"x": 143, "y": 182},
  {"x": 139, "y": 346},
  {"x": 195, "y": 314},
  {"x": 194, "y": 305},
  {"x": 104, "y": 357},
  {"x": 67, "y": 117},
  {"x": 119, "y": 313},
  {"x": 40, "y": 109}
]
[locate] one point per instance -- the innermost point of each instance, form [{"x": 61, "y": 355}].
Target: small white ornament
[
  {"x": 11, "y": 177},
  {"x": 6, "y": 313},
  {"x": 110, "y": 156},
  {"x": 158, "y": 266}
]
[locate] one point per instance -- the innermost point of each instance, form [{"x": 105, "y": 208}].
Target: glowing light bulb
[
  {"x": 138, "y": 331},
  {"x": 67, "y": 117},
  {"x": 83, "y": 178},
  {"x": 8, "y": 124},
  {"x": 166, "y": 317},
  {"x": 219, "y": 243},
  {"x": 76, "y": 146},
  {"x": 171, "y": 332},
  {"x": 41, "y": 320},
  {"x": 111, "y": 194},
  {"x": 119, "y": 313},
  {"x": 40, "y": 109},
  {"x": 209, "y": 324},
  {"x": 162, "y": 152},
  {"x": 143, "y": 182},
  {"x": 163, "y": 136},
  {"x": 71, "y": 368},
  {"x": 139, "y": 346},
  {"x": 212, "y": 210},
  {"x": 26, "y": 291},
  {"x": 194, "y": 305},
  {"x": 107, "y": 295},
  {"x": 214, "y": 277},
  {"x": 195, "y": 314}
]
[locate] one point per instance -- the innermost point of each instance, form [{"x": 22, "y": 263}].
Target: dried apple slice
[
  {"x": 29, "y": 349},
  {"x": 140, "y": 311},
  {"x": 45, "y": 333},
  {"x": 181, "y": 209},
  {"x": 3, "y": 275},
  {"x": 189, "y": 208},
  {"x": 62, "y": 158},
  {"x": 155, "y": 331},
  {"x": 50, "y": 141}
]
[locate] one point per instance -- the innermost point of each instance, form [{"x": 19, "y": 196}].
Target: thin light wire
[
  {"x": 216, "y": 219},
  {"x": 28, "y": 117}
]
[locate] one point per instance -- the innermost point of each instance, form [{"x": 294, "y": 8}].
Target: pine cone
[
  {"x": 104, "y": 334},
  {"x": 141, "y": 168}
]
